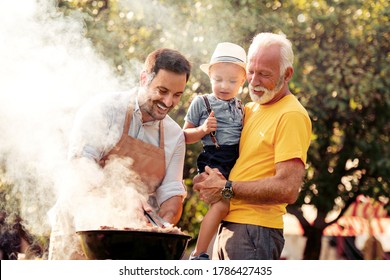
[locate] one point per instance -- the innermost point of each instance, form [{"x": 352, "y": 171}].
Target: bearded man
[{"x": 272, "y": 155}]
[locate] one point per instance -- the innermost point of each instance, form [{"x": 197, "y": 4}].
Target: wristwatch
[{"x": 227, "y": 191}]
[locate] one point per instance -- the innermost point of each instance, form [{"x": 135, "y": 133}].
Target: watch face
[{"x": 227, "y": 193}]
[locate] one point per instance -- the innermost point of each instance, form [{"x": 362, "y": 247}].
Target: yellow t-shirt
[{"x": 271, "y": 134}]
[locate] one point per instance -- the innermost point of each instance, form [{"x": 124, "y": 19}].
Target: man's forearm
[
  {"x": 282, "y": 188},
  {"x": 171, "y": 209}
]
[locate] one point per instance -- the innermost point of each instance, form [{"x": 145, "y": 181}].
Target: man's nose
[
  {"x": 254, "y": 79},
  {"x": 168, "y": 100}
]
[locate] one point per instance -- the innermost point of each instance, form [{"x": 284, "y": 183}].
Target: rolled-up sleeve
[{"x": 97, "y": 126}]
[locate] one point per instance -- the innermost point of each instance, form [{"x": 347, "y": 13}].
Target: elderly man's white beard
[{"x": 268, "y": 95}]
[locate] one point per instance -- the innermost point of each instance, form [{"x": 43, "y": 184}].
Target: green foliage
[
  {"x": 344, "y": 55},
  {"x": 9, "y": 201},
  {"x": 13, "y": 228}
]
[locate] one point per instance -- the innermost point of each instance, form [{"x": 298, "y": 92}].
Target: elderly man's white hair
[{"x": 267, "y": 39}]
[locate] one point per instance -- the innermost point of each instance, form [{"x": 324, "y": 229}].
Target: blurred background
[{"x": 57, "y": 54}]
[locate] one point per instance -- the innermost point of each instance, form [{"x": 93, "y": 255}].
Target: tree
[{"x": 343, "y": 53}]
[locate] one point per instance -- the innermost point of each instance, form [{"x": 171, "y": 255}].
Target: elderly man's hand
[
  {"x": 209, "y": 185},
  {"x": 199, "y": 178}
]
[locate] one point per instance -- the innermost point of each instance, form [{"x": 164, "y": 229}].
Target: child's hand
[{"x": 210, "y": 124}]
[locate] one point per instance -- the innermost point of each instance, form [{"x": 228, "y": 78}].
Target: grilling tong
[{"x": 156, "y": 220}]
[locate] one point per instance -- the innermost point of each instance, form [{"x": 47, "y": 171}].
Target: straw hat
[{"x": 226, "y": 52}]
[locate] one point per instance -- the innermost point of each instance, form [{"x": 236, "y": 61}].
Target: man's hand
[
  {"x": 142, "y": 205},
  {"x": 209, "y": 185},
  {"x": 171, "y": 209}
]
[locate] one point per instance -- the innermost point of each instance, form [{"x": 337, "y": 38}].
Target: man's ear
[
  {"x": 288, "y": 74},
  {"x": 143, "y": 78}
]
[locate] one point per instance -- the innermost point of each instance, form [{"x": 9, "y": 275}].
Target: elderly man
[{"x": 272, "y": 155}]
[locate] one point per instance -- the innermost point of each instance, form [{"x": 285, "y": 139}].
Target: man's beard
[
  {"x": 267, "y": 95},
  {"x": 151, "y": 108}
]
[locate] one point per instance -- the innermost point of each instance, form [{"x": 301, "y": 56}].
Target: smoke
[
  {"x": 49, "y": 69},
  {"x": 107, "y": 197}
]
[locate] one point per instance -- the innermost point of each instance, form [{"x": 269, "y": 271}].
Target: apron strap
[
  {"x": 161, "y": 134},
  {"x": 129, "y": 116}
]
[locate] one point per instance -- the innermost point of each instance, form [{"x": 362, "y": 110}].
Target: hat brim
[{"x": 206, "y": 67}]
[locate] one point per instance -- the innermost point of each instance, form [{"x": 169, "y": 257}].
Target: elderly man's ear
[{"x": 288, "y": 74}]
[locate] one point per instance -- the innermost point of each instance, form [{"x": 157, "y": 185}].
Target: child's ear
[{"x": 243, "y": 80}]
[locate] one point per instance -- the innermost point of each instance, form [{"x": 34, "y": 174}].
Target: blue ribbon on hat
[{"x": 226, "y": 59}]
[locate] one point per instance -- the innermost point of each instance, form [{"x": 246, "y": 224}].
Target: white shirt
[{"x": 99, "y": 126}]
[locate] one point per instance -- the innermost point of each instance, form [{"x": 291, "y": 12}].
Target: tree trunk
[
  {"x": 313, "y": 232},
  {"x": 313, "y": 244}
]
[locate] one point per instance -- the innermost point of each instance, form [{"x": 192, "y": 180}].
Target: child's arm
[{"x": 193, "y": 134}]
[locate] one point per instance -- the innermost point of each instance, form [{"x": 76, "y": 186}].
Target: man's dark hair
[{"x": 167, "y": 59}]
